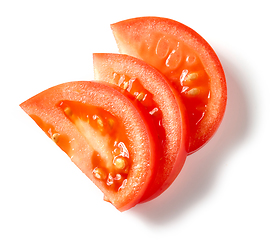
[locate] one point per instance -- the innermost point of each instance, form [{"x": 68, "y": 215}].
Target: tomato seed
[
  {"x": 120, "y": 162},
  {"x": 140, "y": 96},
  {"x": 100, "y": 123},
  {"x": 125, "y": 85},
  {"x": 55, "y": 137},
  {"x": 68, "y": 111},
  {"x": 192, "y": 76},
  {"x": 99, "y": 173},
  {"x": 194, "y": 91}
]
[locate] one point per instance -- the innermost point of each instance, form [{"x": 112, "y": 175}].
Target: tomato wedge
[
  {"x": 161, "y": 102},
  {"x": 104, "y": 133},
  {"x": 187, "y": 61}
]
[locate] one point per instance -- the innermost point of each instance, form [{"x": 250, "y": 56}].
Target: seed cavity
[
  {"x": 99, "y": 173},
  {"x": 120, "y": 162},
  {"x": 194, "y": 91},
  {"x": 110, "y": 159},
  {"x": 55, "y": 137}
]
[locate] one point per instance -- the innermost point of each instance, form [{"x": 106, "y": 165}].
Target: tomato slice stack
[
  {"x": 160, "y": 101},
  {"x": 131, "y": 129}
]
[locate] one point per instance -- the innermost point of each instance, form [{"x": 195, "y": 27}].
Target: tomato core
[{"x": 110, "y": 159}]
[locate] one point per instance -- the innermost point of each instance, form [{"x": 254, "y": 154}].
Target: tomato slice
[
  {"x": 161, "y": 102},
  {"x": 103, "y": 132},
  {"x": 188, "y": 62}
]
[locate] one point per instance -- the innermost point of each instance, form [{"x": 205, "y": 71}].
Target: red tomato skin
[
  {"x": 140, "y": 133},
  {"x": 130, "y": 32},
  {"x": 174, "y": 116}
]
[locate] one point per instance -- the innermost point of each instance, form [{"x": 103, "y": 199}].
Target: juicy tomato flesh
[
  {"x": 182, "y": 66},
  {"x": 135, "y": 88},
  {"x": 110, "y": 159}
]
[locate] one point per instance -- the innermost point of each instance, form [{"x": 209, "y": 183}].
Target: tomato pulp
[{"x": 188, "y": 62}]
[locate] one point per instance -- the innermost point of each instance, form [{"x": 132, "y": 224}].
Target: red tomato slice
[
  {"x": 103, "y": 132},
  {"x": 161, "y": 102},
  {"x": 187, "y": 61}
]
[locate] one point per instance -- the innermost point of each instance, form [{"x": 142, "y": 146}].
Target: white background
[{"x": 223, "y": 192}]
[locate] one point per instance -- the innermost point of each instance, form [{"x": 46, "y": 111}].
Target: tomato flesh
[
  {"x": 189, "y": 64},
  {"x": 159, "y": 100},
  {"x": 184, "y": 70},
  {"x": 111, "y": 159},
  {"x": 103, "y": 132},
  {"x": 136, "y": 89}
]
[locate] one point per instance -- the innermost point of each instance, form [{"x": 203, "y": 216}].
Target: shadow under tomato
[{"x": 200, "y": 170}]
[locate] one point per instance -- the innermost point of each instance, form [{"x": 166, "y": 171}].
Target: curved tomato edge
[
  {"x": 210, "y": 58},
  {"x": 197, "y": 145},
  {"x": 181, "y": 155}
]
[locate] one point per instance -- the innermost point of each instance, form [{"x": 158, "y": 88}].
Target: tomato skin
[
  {"x": 44, "y": 109},
  {"x": 174, "y": 139},
  {"x": 129, "y": 34}
]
